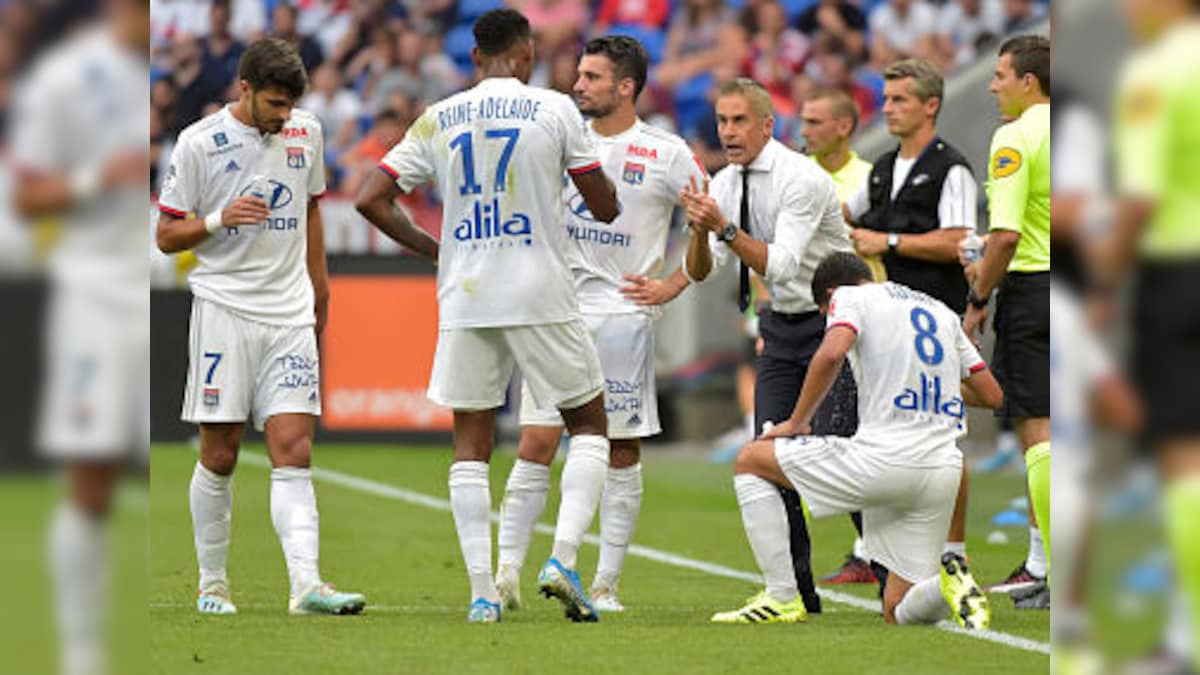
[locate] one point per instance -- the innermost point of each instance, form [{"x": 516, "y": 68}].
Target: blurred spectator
[
  {"x": 427, "y": 77},
  {"x": 777, "y": 53},
  {"x": 704, "y": 141},
  {"x": 337, "y": 108},
  {"x": 840, "y": 18},
  {"x": 285, "y": 25},
  {"x": 432, "y": 16},
  {"x": 367, "y": 18},
  {"x": 701, "y": 35},
  {"x": 963, "y": 25},
  {"x": 221, "y": 50},
  {"x": 372, "y": 61},
  {"x": 164, "y": 98},
  {"x": 386, "y": 131},
  {"x": 439, "y": 68},
  {"x": 327, "y": 21},
  {"x": 555, "y": 23},
  {"x": 249, "y": 21},
  {"x": 563, "y": 72},
  {"x": 900, "y": 29},
  {"x": 651, "y": 14},
  {"x": 1021, "y": 13},
  {"x": 197, "y": 86},
  {"x": 830, "y": 66}
]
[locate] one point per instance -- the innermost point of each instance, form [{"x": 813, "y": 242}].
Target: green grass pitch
[{"x": 405, "y": 557}]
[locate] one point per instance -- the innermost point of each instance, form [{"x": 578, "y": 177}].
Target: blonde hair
[
  {"x": 927, "y": 81},
  {"x": 840, "y": 104},
  {"x": 754, "y": 93}
]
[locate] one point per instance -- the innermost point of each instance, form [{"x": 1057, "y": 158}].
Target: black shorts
[
  {"x": 1022, "y": 354},
  {"x": 1166, "y": 349}
]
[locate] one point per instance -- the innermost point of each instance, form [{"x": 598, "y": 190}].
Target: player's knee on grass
[
  {"x": 588, "y": 419},
  {"x": 893, "y": 593},
  {"x": 625, "y": 453},
  {"x": 539, "y": 444}
]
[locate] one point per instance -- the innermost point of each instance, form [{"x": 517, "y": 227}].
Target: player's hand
[
  {"x": 868, "y": 242},
  {"x": 247, "y": 210},
  {"x": 974, "y": 323},
  {"x": 129, "y": 167},
  {"x": 646, "y": 291},
  {"x": 787, "y": 429}
]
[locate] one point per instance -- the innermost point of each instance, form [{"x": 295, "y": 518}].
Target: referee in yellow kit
[{"x": 1017, "y": 257}]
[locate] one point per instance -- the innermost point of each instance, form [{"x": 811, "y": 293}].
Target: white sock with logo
[
  {"x": 923, "y": 603},
  {"x": 471, "y": 503},
  {"x": 959, "y": 547},
  {"x": 294, "y": 514},
  {"x": 766, "y": 525},
  {"x": 1035, "y": 562},
  {"x": 524, "y": 501},
  {"x": 79, "y": 560},
  {"x": 619, "y": 508},
  {"x": 583, "y": 479},
  {"x": 211, "y": 498}
]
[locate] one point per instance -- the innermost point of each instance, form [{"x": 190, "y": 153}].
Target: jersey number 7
[{"x": 465, "y": 143}]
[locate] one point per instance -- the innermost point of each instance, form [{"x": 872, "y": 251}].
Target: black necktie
[{"x": 744, "y": 221}]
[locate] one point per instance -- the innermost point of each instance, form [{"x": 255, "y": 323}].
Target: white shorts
[
  {"x": 906, "y": 510},
  {"x": 625, "y": 343},
  {"x": 96, "y": 386},
  {"x": 238, "y": 366},
  {"x": 472, "y": 366}
]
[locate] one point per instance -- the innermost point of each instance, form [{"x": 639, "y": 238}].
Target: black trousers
[{"x": 789, "y": 342}]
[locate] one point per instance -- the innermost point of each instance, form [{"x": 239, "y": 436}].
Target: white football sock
[
  {"x": 1179, "y": 636},
  {"x": 765, "y": 521},
  {"x": 1035, "y": 562},
  {"x": 294, "y": 513},
  {"x": 79, "y": 559},
  {"x": 211, "y": 498},
  {"x": 582, "y": 484},
  {"x": 471, "y": 502},
  {"x": 860, "y": 549},
  {"x": 923, "y": 603},
  {"x": 959, "y": 547},
  {"x": 524, "y": 501},
  {"x": 619, "y": 508}
]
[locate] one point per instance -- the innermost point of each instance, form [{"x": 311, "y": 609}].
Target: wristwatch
[
  {"x": 975, "y": 301},
  {"x": 893, "y": 241},
  {"x": 728, "y": 233}
]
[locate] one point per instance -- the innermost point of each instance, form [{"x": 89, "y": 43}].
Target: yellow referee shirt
[
  {"x": 846, "y": 181},
  {"x": 1019, "y": 186}
]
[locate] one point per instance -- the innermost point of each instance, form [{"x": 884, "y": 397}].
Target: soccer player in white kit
[
  {"x": 498, "y": 153},
  {"x": 78, "y": 150},
  {"x": 614, "y": 267},
  {"x": 917, "y": 372},
  {"x": 251, "y": 174}
]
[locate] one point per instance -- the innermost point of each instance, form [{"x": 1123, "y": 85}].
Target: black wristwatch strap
[{"x": 975, "y": 301}]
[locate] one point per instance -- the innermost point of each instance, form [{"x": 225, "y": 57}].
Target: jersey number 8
[{"x": 929, "y": 349}]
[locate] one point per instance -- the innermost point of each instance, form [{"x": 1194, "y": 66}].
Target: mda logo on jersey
[
  {"x": 634, "y": 173},
  {"x": 295, "y": 158}
]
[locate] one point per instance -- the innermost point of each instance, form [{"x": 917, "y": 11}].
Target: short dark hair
[
  {"x": 837, "y": 269},
  {"x": 273, "y": 63},
  {"x": 499, "y": 29},
  {"x": 628, "y": 57},
  {"x": 1030, "y": 54}
]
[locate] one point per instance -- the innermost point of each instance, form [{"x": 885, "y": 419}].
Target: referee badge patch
[
  {"x": 295, "y": 158},
  {"x": 1006, "y": 162}
]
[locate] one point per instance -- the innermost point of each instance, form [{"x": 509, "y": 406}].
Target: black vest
[{"x": 915, "y": 211}]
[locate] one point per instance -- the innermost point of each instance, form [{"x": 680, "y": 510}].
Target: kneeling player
[{"x": 901, "y": 468}]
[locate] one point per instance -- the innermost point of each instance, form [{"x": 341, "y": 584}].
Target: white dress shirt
[{"x": 794, "y": 209}]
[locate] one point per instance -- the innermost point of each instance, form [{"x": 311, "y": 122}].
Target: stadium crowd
[{"x": 375, "y": 64}]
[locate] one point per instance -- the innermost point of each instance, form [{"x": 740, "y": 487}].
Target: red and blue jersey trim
[
  {"x": 594, "y": 166},
  {"x": 844, "y": 324},
  {"x": 389, "y": 171},
  {"x": 172, "y": 212}
]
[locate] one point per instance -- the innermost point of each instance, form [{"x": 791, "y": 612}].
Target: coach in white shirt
[{"x": 777, "y": 212}]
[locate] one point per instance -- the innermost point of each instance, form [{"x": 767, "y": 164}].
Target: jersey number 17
[{"x": 465, "y": 143}]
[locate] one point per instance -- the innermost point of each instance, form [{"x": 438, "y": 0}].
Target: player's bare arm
[
  {"x": 981, "y": 390},
  {"x": 318, "y": 271},
  {"x": 180, "y": 234},
  {"x": 824, "y": 369},
  {"x": 599, "y": 194},
  {"x": 647, "y": 291},
  {"x": 377, "y": 203},
  {"x": 38, "y": 193},
  {"x": 940, "y": 246}
]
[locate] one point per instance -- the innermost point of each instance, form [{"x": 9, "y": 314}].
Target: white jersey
[
  {"x": 82, "y": 105},
  {"x": 650, "y": 167},
  {"x": 1077, "y": 362},
  {"x": 259, "y": 272},
  {"x": 909, "y": 360},
  {"x": 497, "y": 153}
]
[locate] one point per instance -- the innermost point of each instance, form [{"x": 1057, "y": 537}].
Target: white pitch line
[{"x": 667, "y": 558}]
